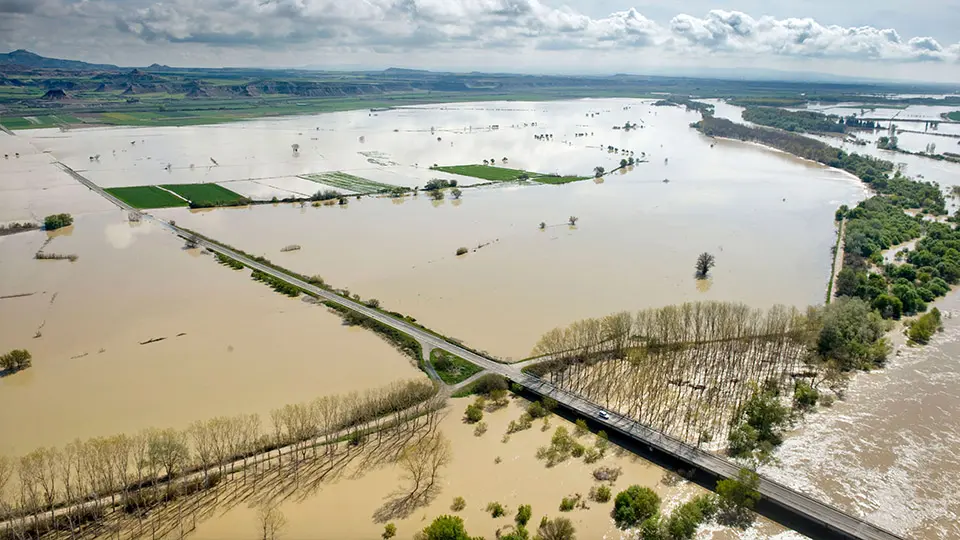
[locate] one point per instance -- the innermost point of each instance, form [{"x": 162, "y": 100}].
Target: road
[{"x": 802, "y": 506}]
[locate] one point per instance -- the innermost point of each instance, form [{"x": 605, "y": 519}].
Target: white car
[{"x": 603, "y": 414}]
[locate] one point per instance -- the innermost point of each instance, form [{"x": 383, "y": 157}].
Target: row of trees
[
  {"x": 688, "y": 370},
  {"x": 684, "y": 370},
  {"x": 802, "y": 121},
  {"x": 61, "y": 485}
]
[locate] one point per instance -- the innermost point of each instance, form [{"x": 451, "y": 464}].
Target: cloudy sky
[{"x": 889, "y": 39}]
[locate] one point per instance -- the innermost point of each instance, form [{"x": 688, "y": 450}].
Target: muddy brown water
[{"x": 243, "y": 348}]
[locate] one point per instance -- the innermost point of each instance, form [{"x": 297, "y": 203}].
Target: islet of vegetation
[
  {"x": 451, "y": 368},
  {"x": 57, "y": 221}
]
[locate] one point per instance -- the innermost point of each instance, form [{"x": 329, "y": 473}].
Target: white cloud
[
  {"x": 523, "y": 24},
  {"x": 374, "y": 32}
]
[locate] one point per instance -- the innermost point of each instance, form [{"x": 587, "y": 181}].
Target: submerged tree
[
  {"x": 573, "y": 221},
  {"x": 598, "y": 171},
  {"x": 705, "y": 262}
]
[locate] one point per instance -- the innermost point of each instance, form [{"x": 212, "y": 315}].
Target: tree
[
  {"x": 705, "y": 262},
  {"x": 167, "y": 451},
  {"x": 922, "y": 329},
  {"x": 852, "y": 335},
  {"x": 446, "y": 528},
  {"x": 634, "y": 505},
  {"x": 271, "y": 520},
  {"x": 524, "y": 513},
  {"x": 422, "y": 461},
  {"x": 573, "y": 221},
  {"x": 598, "y": 171},
  {"x": 739, "y": 493},
  {"x": 559, "y": 528},
  {"x": 16, "y": 360},
  {"x": 295, "y": 147},
  {"x": 436, "y": 195},
  {"x": 623, "y": 163},
  {"x": 462, "y": 251},
  {"x": 389, "y": 531},
  {"x": 456, "y": 193},
  {"x": 543, "y": 225},
  {"x": 847, "y": 282},
  {"x": 459, "y": 503}
]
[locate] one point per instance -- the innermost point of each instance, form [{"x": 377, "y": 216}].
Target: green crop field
[
  {"x": 486, "y": 172},
  {"x": 206, "y": 194},
  {"x": 38, "y": 122},
  {"x": 348, "y": 182},
  {"x": 146, "y": 197}
]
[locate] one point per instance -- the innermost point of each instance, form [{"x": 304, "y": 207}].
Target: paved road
[{"x": 799, "y": 504}]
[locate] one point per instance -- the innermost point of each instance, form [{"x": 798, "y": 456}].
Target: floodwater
[
  {"x": 768, "y": 218},
  {"x": 888, "y": 452},
  {"x": 344, "y": 510},
  {"x": 231, "y": 345},
  {"x": 944, "y": 172}
]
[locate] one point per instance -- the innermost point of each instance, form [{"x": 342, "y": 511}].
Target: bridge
[{"x": 821, "y": 516}]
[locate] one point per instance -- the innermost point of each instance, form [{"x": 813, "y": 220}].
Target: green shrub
[
  {"x": 446, "y": 528},
  {"x": 462, "y": 251},
  {"x": 805, "y": 396},
  {"x": 635, "y": 505},
  {"x": 568, "y": 504},
  {"x": 459, "y": 503},
  {"x": 536, "y": 410},
  {"x": 524, "y": 513},
  {"x": 496, "y": 509},
  {"x": 601, "y": 493},
  {"x": 923, "y": 329},
  {"x": 474, "y": 413},
  {"x": 389, "y": 531},
  {"x": 740, "y": 492}
]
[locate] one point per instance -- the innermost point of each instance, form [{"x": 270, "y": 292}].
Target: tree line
[
  {"x": 800, "y": 121},
  {"x": 62, "y": 488},
  {"x": 688, "y": 370}
]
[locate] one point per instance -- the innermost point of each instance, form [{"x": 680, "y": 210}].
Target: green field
[
  {"x": 502, "y": 174},
  {"x": 38, "y": 122},
  {"x": 349, "y": 182},
  {"x": 451, "y": 368},
  {"x": 207, "y": 194},
  {"x": 955, "y": 116},
  {"x": 486, "y": 172},
  {"x": 146, "y": 197}
]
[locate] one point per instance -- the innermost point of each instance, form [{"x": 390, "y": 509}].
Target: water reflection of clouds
[{"x": 122, "y": 235}]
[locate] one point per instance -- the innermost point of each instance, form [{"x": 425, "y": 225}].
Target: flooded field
[
  {"x": 473, "y": 473},
  {"x": 231, "y": 345},
  {"x": 633, "y": 247}
]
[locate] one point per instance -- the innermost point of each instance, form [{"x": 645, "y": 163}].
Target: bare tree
[
  {"x": 167, "y": 451},
  {"x": 573, "y": 221},
  {"x": 272, "y": 521},
  {"x": 422, "y": 462},
  {"x": 705, "y": 262}
]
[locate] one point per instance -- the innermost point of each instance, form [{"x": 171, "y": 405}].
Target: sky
[{"x": 882, "y": 39}]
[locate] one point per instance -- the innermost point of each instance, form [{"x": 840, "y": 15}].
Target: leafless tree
[{"x": 272, "y": 521}]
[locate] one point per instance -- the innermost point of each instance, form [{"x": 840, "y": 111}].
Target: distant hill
[{"x": 27, "y": 59}]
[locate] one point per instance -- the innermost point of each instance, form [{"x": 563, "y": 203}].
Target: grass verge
[
  {"x": 146, "y": 197},
  {"x": 451, "y": 368}
]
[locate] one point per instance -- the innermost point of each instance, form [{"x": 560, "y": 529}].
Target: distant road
[{"x": 832, "y": 520}]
